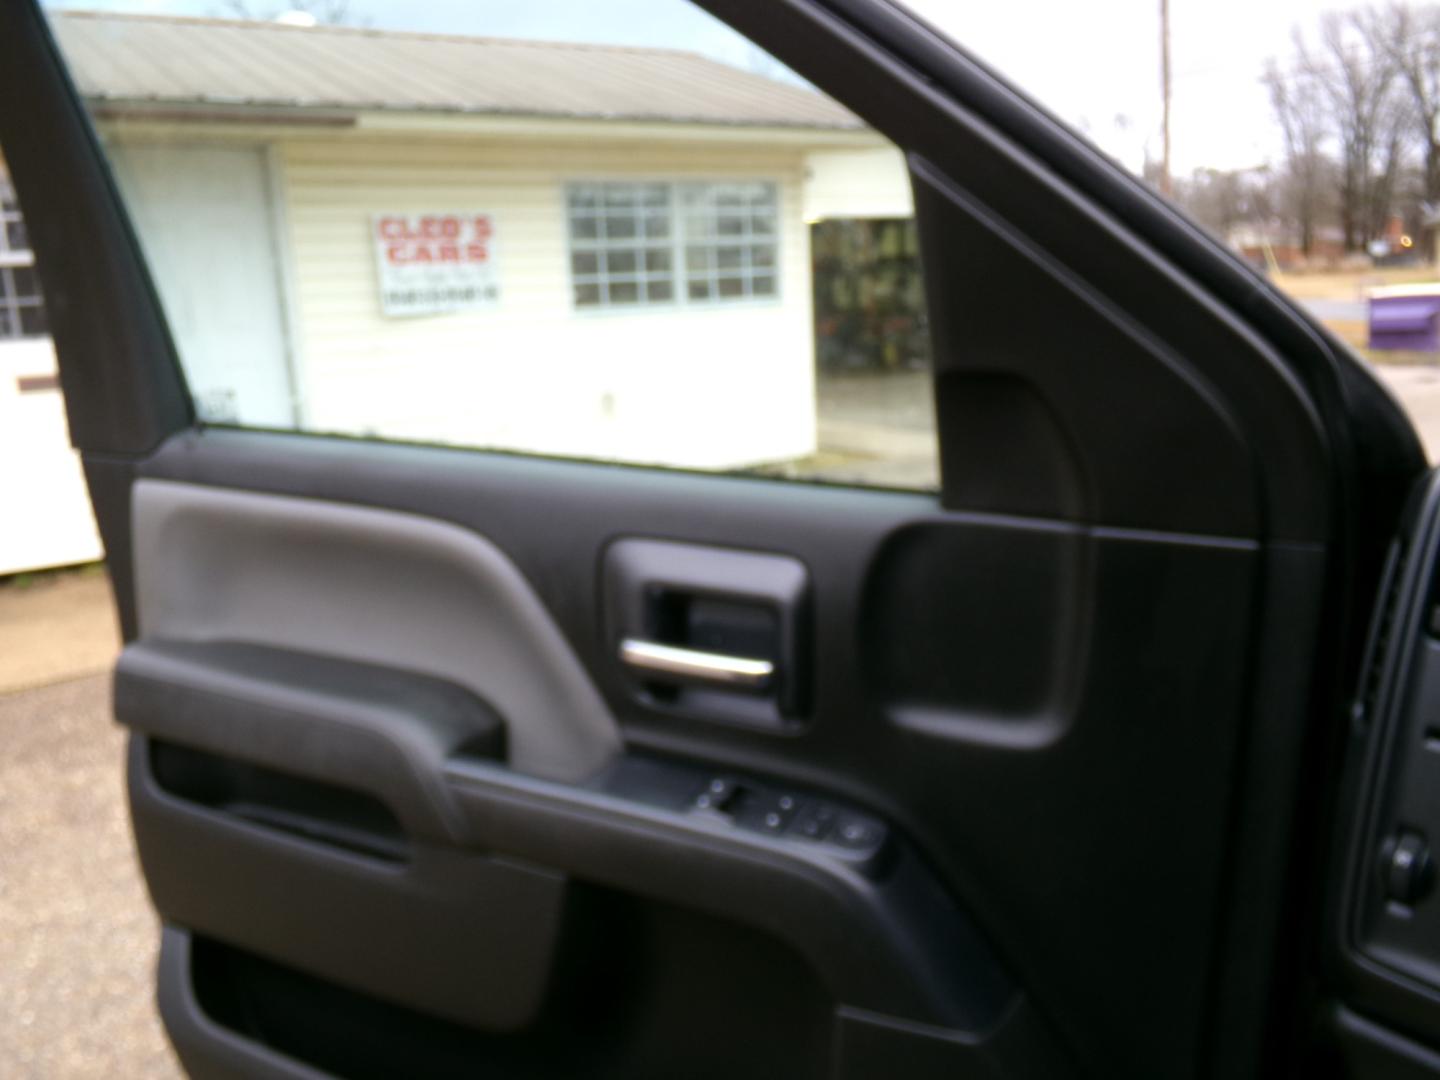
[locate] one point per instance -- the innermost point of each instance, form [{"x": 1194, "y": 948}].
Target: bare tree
[
  {"x": 1216, "y": 198},
  {"x": 1358, "y": 87},
  {"x": 1410, "y": 38},
  {"x": 1228, "y": 200},
  {"x": 1393, "y": 125},
  {"x": 1300, "y": 110}
]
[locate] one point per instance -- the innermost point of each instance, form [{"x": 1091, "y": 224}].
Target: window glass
[
  {"x": 1304, "y": 134},
  {"x": 564, "y": 228}
]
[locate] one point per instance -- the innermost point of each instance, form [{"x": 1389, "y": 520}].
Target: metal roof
[{"x": 142, "y": 59}]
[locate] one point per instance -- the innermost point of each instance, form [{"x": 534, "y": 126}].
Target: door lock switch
[
  {"x": 1408, "y": 867},
  {"x": 856, "y": 833}
]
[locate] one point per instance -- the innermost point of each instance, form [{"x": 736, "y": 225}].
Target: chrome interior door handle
[{"x": 692, "y": 665}]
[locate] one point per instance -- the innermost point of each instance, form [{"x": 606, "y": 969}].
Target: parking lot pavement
[
  {"x": 77, "y": 935},
  {"x": 1330, "y": 309},
  {"x": 875, "y": 429},
  {"x": 1417, "y": 386}
]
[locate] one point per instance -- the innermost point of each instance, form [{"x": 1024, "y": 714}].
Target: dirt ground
[
  {"x": 77, "y": 932},
  {"x": 77, "y": 936},
  {"x": 55, "y": 626}
]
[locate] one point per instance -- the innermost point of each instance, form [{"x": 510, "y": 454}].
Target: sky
[
  {"x": 1094, "y": 64},
  {"x": 1097, "y": 66}
]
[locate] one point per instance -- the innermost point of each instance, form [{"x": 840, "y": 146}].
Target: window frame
[
  {"x": 14, "y": 302},
  {"x": 677, "y": 244}
]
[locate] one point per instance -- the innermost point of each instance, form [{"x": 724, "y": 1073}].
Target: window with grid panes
[
  {"x": 622, "y": 244},
  {"x": 22, "y": 309},
  {"x": 629, "y": 241},
  {"x": 730, "y": 242}
]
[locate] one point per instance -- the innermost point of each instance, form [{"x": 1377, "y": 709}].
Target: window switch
[
  {"x": 773, "y": 813},
  {"x": 857, "y": 833},
  {"x": 813, "y": 821}
]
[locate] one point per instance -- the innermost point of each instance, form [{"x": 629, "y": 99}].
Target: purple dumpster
[{"x": 1405, "y": 317}]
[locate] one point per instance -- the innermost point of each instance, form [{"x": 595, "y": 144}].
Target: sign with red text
[{"x": 432, "y": 263}]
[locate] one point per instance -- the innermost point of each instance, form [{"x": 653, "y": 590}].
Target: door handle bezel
[{"x": 651, "y": 590}]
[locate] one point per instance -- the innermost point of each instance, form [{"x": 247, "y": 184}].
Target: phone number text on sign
[{"x": 432, "y": 263}]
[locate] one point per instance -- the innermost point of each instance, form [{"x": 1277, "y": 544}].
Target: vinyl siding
[
  {"x": 710, "y": 386},
  {"x": 868, "y": 183},
  {"x": 42, "y": 486}
]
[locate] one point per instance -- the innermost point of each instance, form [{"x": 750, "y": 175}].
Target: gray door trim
[{"x": 376, "y": 586}]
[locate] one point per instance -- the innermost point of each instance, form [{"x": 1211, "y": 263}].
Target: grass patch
[
  {"x": 1350, "y": 284},
  {"x": 31, "y": 579},
  {"x": 1356, "y": 334}
]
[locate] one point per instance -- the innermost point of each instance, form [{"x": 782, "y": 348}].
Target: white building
[{"x": 45, "y": 517}]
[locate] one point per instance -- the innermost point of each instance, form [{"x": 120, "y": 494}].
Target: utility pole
[{"x": 1166, "y": 186}]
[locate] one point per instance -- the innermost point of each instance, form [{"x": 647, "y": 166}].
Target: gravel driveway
[{"x": 77, "y": 936}]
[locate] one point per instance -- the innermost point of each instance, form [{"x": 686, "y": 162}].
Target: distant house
[
  {"x": 538, "y": 246},
  {"x": 1276, "y": 245},
  {"x": 46, "y": 514},
  {"x": 1430, "y": 231}
]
